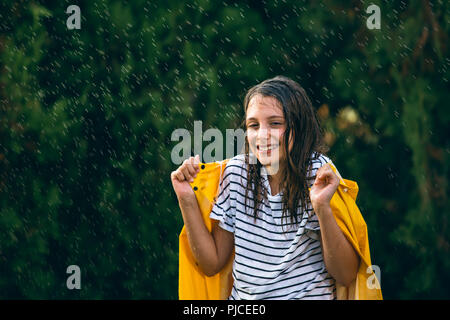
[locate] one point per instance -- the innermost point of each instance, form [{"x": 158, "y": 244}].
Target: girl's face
[{"x": 265, "y": 129}]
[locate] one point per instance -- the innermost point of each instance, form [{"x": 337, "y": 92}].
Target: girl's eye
[
  {"x": 276, "y": 123},
  {"x": 253, "y": 125}
]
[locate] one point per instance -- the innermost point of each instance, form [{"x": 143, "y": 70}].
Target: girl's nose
[{"x": 263, "y": 133}]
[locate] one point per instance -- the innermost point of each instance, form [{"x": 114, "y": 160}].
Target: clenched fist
[
  {"x": 324, "y": 187},
  {"x": 183, "y": 176}
]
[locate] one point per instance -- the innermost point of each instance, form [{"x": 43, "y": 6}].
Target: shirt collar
[{"x": 265, "y": 180}]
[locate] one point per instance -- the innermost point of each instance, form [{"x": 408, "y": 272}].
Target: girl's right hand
[{"x": 184, "y": 175}]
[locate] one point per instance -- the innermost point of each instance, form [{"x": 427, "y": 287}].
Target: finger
[
  {"x": 327, "y": 176},
  {"x": 196, "y": 163},
  {"x": 329, "y": 171},
  {"x": 184, "y": 168},
  {"x": 324, "y": 170},
  {"x": 190, "y": 167},
  {"x": 325, "y": 167},
  {"x": 180, "y": 175},
  {"x": 187, "y": 174},
  {"x": 322, "y": 178}
]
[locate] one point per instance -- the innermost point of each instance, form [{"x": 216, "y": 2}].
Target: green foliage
[{"x": 86, "y": 118}]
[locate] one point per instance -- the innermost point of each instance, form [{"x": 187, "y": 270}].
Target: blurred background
[{"x": 86, "y": 118}]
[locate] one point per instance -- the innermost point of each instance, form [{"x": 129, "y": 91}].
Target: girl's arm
[
  {"x": 341, "y": 259},
  {"x": 211, "y": 250}
]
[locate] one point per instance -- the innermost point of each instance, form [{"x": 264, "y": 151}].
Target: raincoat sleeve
[
  {"x": 366, "y": 286},
  {"x": 193, "y": 284}
]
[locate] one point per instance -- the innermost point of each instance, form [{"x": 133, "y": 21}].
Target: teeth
[{"x": 267, "y": 148}]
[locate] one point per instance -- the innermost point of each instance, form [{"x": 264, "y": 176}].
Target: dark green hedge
[{"x": 86, "y": 118}]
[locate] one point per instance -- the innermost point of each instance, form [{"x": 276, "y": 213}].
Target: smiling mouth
[{"x": 266, "y": 148}]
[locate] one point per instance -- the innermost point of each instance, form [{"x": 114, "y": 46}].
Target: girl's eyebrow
[{"x": 270, "y": 118}]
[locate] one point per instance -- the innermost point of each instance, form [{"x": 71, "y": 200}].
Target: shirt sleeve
[
  {"x": 318, "y": 161},
  {"x": 224, "y": 208}
]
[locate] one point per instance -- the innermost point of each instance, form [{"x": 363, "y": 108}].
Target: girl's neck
[{"x": 275, "y": 176}]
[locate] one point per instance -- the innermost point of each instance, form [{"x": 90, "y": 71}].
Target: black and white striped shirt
[{"x": 274, "y": 259}]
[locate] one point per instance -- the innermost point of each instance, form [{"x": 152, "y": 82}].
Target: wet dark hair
[{"x": 303, "y": 126}]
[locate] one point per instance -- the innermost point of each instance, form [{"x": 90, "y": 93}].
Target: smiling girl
[{"x": 286, "y": 241}]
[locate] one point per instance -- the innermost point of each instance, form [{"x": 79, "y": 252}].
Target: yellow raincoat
[{"x": 194, "y": 285}]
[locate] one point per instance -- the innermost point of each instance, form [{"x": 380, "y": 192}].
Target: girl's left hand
[{"x": 324, "y": 187}]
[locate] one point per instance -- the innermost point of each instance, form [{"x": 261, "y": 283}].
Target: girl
[{"x": 286, "y": 241}]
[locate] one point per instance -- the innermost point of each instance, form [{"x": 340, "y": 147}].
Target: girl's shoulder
[
  {"x": 236, "y": 167},
  {"x": 237, "y": 161},
  {"x": 319, "y": 159}
]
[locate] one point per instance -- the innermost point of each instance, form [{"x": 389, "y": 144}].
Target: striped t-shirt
[{"x": 274, "y": 259}]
